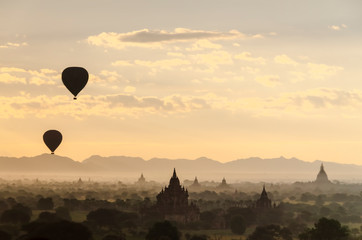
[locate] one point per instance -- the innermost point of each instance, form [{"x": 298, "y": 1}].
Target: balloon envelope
[
  {"x": 52, "y": 138},
  {"x": 75, "y": 79}
]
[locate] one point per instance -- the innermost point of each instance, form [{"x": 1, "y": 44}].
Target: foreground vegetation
[{"x": 115, "y": 211}]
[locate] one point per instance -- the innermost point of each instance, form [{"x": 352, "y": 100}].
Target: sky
[{"x": 184, "y": 79}]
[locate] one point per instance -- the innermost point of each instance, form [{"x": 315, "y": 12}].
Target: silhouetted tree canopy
[
  {"x": 198, "y": 237},
  {"x": 63, "y": 213},
  {"x": 270, "y": 232},
  {"x": 114, "y": 237},
  {"x": 48, "y": 217},
  {"x": 45, "y": 204},
  {"x": 112, "y": 218},
  {"x": 4, "y": 235},
  {"x": 248, "y": 214},
  {"x": 60, "y": 231},
  {"x": 326, "y": 229},
  {"x": 237, "y": 224},
  {"x": 15, "y": 216},
  {"x": 163, "y": 230}
]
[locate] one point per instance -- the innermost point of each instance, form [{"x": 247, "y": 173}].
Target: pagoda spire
[{"x": 174, "y": 173}]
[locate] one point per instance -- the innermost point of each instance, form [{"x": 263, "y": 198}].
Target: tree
[
  {"x": 114, "y": 237},
  {"x": 112, "y": 218},
  {"x": 237, "y": 224},
  {"x": 15, "y": 216},
  {"x": 198, "y": 237},
  {"x": 271, "y": 232},
  {"x": 326, "y": 229},
  {"x": 45, "y": 204},
  {"x": 60, "y": 231},
  {"x": 163, "y": 230},
  {"x": 63, "y": 213},
  {"x": 5, "y": 235},
  {"x": 47, "y": 217}
]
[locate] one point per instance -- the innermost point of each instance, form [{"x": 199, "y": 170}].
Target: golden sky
[{"x": 184, "y": 79}]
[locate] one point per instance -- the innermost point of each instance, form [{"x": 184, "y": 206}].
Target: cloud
[
  {"x": 250, "y": 70},
  {"x": 113, "y": 106},
  {"x": 247, "y": 56},
  {"x": 11, "y": 75},
  {"x": 321, "y": 71},
  {"x": 284, "y": 59},
  {"x": 175, "y": 54},
  {"x": 122, "y": 63},
  {"x": 203, "y": 44},
  {"x": 13, "y": 45},
  {"x": 167, "y": 64},
  {"x": 297, "y": 76},
  {"x": 9, "y": 79},
  {"x": 320, "y": 102},
  {"x": 129, "y": 89},
  {"x": 11, "y": 69},
  {"x": 337, "y": 27},
  {"x": 310, "y": 103},
  {"x": 268, "y": 80},
  {"x": 213, "y": 59},
  {"x": 110, "y": 76},
  {"x": 40, "y": 81},
  {"x": 215, "y": 79},
  {"x": 155, "y": 38}
]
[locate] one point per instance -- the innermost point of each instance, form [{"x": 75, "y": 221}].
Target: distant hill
[{"x": 160, "y": 169}]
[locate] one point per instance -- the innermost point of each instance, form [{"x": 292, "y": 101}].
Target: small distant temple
[
  {"x": 173, "y": 204},
  {"x": 141, "y": 180},
  {"x": 195, "y": 184},
  {"x": 80, "y": 181},
  {"x": 263, "y": 202},
  {"x": 322, "y": 177},
  {"x": 223, "y": 185}
]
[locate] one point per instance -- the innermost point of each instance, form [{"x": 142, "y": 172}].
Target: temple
[
  {"x": 322, "y": 177},
  {"x": 172, "y": 202},
  {"x": 141, "y": 180},
  {"x": 195, "y": 184},
  {"x": 223, "y": 185},
  {"x": 263, "y": 202}
]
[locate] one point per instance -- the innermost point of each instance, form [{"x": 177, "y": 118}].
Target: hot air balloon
[
  {"x": 52, "y": 138},
  {"x": 75, "y": 79}
]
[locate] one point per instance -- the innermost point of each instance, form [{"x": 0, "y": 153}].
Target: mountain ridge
[{"x": 203, "y": 167}]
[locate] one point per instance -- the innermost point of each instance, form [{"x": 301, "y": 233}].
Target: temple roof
[
  {"x": 174, "y": 181},
  {"x": 263, "y": 193},
  {"x": 322, "y": 176}
]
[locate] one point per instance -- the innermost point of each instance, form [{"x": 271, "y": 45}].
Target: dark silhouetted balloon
[
  {"x": 52, "y": 138},
  {"x": 75, "y": 79}
]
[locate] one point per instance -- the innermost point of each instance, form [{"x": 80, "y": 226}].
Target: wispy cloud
[
  {"x": 10, "y": 75},
  {"x": 284, "y": 59},
  {"x": 213, "y": 59},
  {"x": 203, "y": 44},
  {"x": 321, "y": 71},
  {"x": 268, "y": 80},
  {"x": 13, "y": 45},
  {"x": 337, "y": 27},
  {"x": 247, "y": 56},
  {"x": 163, "y": 64},
  {"x": 9, "y": 79},
  {"x": 113, "y": 106},
  {"x": 155, "y": 38}
]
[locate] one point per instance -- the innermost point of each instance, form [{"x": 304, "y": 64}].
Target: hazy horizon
[{"x": 128, "y": 169}]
